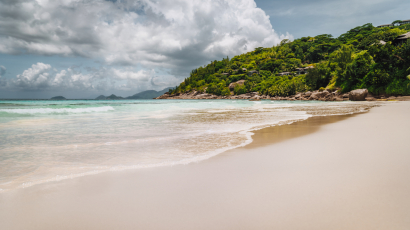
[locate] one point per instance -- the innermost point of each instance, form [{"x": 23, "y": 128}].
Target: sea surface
[{"x": 44, "y": 140}]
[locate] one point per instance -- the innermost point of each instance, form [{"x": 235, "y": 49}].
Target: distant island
[
  {"x": 101, "y": 97},
  {"x": 113, "y": 97},
  {"x": 148, "y": 94},
  {"x": 58, "y": 98},
  {"x": 365, "y": 57}
]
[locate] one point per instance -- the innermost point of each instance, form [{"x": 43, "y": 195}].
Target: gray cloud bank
[{"x": 172, "y": 36}]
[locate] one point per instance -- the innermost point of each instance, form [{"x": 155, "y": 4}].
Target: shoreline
[
  {"x": 279, "y": 133},
  {"x": 317, "y": 95},
  {"x": 282, "y": 130},
  {"x": 304, "y": 176}
]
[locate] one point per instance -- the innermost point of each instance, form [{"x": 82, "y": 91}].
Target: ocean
[{"x": 44, "y": 140}]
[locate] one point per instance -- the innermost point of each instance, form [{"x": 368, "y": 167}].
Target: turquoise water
[{"x": 42, "y": 141}]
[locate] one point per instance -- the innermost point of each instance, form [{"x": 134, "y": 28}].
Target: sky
[{"x": 86, "y": 48}]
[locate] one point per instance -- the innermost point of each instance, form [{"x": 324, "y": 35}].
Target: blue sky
[{"x": 82, "y": 49}]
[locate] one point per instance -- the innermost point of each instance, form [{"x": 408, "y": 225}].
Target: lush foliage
[{"x": 356, "y": 59}]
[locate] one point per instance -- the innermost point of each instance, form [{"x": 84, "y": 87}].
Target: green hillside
[{"x": 356, "y": 59}]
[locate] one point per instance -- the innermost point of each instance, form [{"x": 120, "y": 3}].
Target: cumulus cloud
[
  {"x": 41, "y": 76},
  {"x": 173, "y": 35},
  {"x": 35, "y": 77}
]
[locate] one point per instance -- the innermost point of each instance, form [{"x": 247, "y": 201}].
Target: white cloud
[
  {"x": 35, "y": 77},
  {"x": 41, "y": 76},
  {"x": 141, "y": 75},
  {"x": 176, "y": 35}
]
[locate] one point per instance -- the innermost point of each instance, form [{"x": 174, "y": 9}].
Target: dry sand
[{"x": 319, "y": 174}]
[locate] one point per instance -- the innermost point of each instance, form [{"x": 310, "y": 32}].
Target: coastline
[{"x": 318, "y": 173}]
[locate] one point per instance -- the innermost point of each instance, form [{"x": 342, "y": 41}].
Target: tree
[
  {"x": 343, "y": 56},
  {"x": 397, "y": 23},
  {"x": 356, "y": 71},
  {"x": 225, "y": 92},
  {"x": 318, "y": 76},
  {"x": 356, "y": 59},
  {"x": 240, "y": 89}
]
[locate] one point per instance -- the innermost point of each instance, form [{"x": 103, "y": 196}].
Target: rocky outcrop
[
  {"x": 200, "y": 95},
  {"x": 233, "y": 84},
  {"x": 326, "y": 95},
  {"x": 358, "y": 95}
]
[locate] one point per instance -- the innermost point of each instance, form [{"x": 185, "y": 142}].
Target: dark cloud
[
  {"x": 172, "y": 34},
  {"x": 142, "y": 44},
  {"x": 148, "y": 44}
]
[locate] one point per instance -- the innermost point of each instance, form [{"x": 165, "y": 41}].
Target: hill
[
  {"x": 58, "y": 98},
  {"x": 149, "y": 94},
  {"x": 113, "y": 97},
  {"x": 101, "y": 97},
  {"x": 364, "y": 57}
]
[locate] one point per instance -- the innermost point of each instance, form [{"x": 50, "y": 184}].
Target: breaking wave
[
  {"x": 47, "y": 147},
  {"x": 59, "y": 110}
]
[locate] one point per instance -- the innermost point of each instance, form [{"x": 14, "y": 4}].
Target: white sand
[{"x": 352, "y": 174}]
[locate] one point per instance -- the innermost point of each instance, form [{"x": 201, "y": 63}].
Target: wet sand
[{"x": 341, "y": 172}]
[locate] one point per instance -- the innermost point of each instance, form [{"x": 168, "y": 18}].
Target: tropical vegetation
[{"x": 363, "y": 57}]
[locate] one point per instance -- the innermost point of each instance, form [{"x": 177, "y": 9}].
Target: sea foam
[
  {"x": 59, "y": 110},
  {"x": 133, "y": 135}
]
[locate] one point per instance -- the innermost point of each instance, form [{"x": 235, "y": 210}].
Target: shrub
[
  {"x": 239, "y": 89},
  {"x": 225, "y": 92}
]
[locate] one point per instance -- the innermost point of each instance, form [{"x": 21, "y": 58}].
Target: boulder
[
  {"x": 315, "y": 96},
  {"x": 202, "y": 96},
  {"x": 307, "y": 94},
  {"x": 358, "y": 95},
  {"x": 233, "y": 84},
  {"x": 325, "y": 93}
]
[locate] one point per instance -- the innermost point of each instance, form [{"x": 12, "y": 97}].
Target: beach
[{"x": 325, "y": 172}]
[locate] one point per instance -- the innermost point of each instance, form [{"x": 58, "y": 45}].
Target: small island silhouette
[{"x": 58, "y": 98}]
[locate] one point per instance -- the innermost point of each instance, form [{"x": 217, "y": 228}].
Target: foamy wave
[
  {"x": 194, "y": 135},
  {"x": 194, "y": 159},
  {"x": 58, "y": 111}
]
